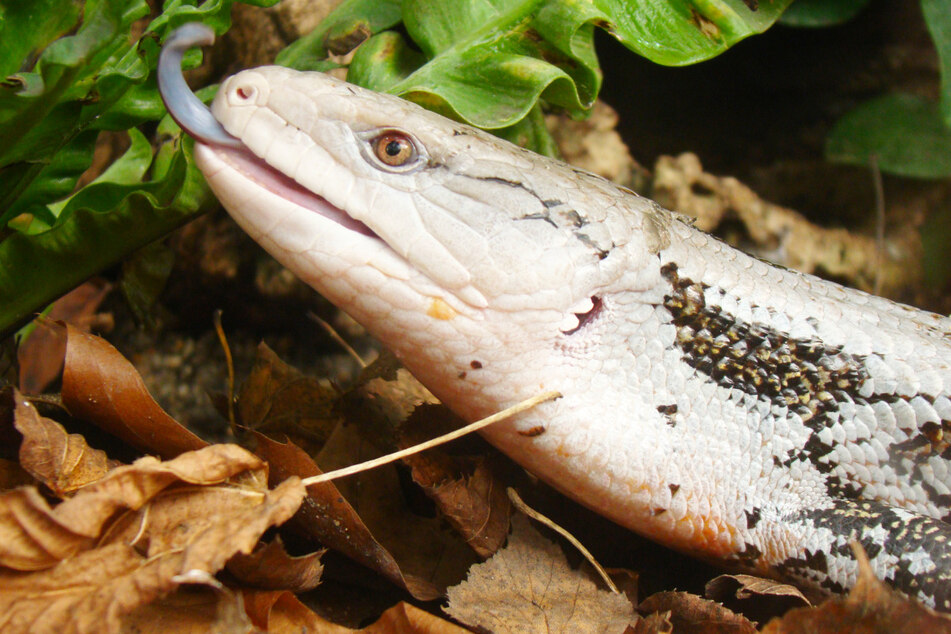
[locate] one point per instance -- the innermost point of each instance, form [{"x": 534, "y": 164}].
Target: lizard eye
[{"x": 394, "y": 149}]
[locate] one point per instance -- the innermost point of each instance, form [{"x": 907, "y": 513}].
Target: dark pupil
[{"x": 393, "y": 148}]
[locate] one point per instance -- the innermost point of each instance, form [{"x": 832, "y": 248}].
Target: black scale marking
[
  {"x": 808, "y": 377},
  {"x": 812, "y": 380},
  {"x": 907, "y": 534}
]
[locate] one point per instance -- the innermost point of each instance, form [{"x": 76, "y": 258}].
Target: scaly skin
[{"x": 719, "y": 405}]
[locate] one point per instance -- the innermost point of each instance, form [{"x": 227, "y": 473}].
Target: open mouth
[
  {"x": 258, "y": 171},
  {"x": 196, "y": 119}
]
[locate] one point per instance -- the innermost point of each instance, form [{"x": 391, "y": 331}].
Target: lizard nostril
[{"x": 245, "y": 92}]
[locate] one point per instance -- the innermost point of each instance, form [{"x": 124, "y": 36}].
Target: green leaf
[
  {"x": 97, "y": 232},
  {"x": 821, "y": 13},
  {"x": 67, "y": 90},
  {"x": 679, "y": 32},
  {"x": 44, "y": 110},
  {"x": 351, "y": 23},
  {"x": 938, "y": 18},
  {"x": 214, "y": 13},
  {"x": 489, "y": 61},
  {"x": 531, "y": 132},
  {"x": 384, "y": 61},
  {"x": 52, "y": 181},
  {"x": 28, "y": 27},
  {"x": 128, "y": 169},
  {"x": 139, "y": 104},
  {"x": 62, "y": 73},
  {"x": 905, "y": 133}
]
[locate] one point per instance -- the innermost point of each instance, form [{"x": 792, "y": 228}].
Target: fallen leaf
[
  {"x": 207, "y": 525},
  {"x": 101, "y": 387},
  {"x": 33, "y": 536},
  {"x": 92, "y": 590},
  {"x": 327, "y": 517},
  {"x": 689, "y": 613},
  {"x": 528, "y": 586},
  {"x": 60, "y": 460},
  {"x": 384, "y": 396},
  {"x": 84, "y": 593},
  {"x": 270, "y": 567},
  {"x": 747, "y": 586},
  {"x": 40, "y": 356},
  {"x": 870, "y": 607},
  {"x": 404, "y": 617},
  {"x": 277, "y": 398},
  {"x": 424, "y": 546},
  {"x": 30, "y": 537},
  {"x": 427, "y": 556},
  {"x": 627, "y": 581},
  {"x": 465, "y": 489},
  {"x": 476, "y": 506},
  {"x": 190, "y": 610},
  {"x": 282, "y": 612},
  {"x": 757, "y": 598},
  {"x": 656, "y": 623}
]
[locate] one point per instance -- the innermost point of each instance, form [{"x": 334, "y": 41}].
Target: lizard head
[{"x": 446, "y": 242}]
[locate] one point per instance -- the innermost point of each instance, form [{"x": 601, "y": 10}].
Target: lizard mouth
[
  {"x": 255, "y": 169},
  {"x": 197, "y": 120}
]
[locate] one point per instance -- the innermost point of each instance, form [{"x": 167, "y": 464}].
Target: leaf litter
[
  {"x": 62, "y": 461},
  {"x": 95, "y": 545},
  {"x": 129, "y": 537},
  {"x": 528, "y": 586}
]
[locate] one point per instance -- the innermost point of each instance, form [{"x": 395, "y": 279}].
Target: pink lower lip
[{"x": 281, "y": 185}]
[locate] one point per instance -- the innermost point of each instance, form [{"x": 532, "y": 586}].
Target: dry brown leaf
[
  {"x": 40, "y": 357},
  {"x": 208, "y": 525},
  {"x": 92, "y": 590},
  {"x": 627, "y": 581},
  {"x": 870, "y": 608},
  {"x": 757, "y": 598},
  {"x": 270, "y": 567},
  {"x": 476, "y": 506},
  {"x": 85, "y": 593},
  {"x": 278, "y": 398},
  {"x": 61, "y": 461},
  {"x": 34, "y": 537},
  {"x": 190, "y": 610},
  {"x": 101, "y": 387},
  {"x": 328, "y": 518},
  {"x": 465, "y": 489},
  {"x": 656, "y": 623},
  {"x": 689, "y": 613},
  {"x": 404, "y": 617},
  {"x": 424, "y": 546},
  {"x": 30, "y": 537},
  {"x": 384, "y": 396},
  {"x": 528, "y": 586},
  {"x": 282, "y": 612},
  {"x": 746, "y": 586}
]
